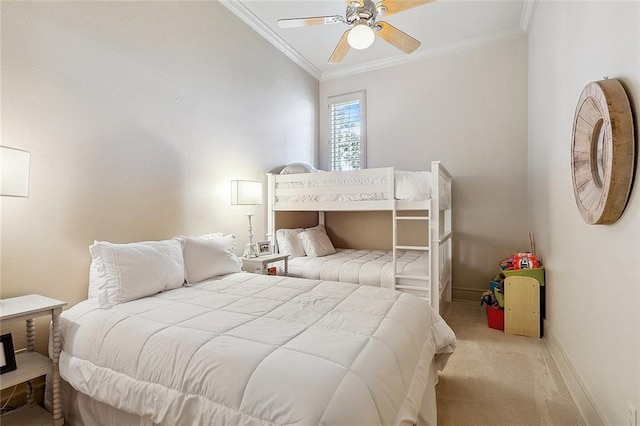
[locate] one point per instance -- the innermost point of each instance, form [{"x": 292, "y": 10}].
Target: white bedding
[
  {"x": 252, "y": 349},
  {"x": 365, "y": 267},
  {"x": 409, "y": 186}
]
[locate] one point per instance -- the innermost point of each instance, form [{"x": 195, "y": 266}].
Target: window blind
[{"x": 346, "y": 135}]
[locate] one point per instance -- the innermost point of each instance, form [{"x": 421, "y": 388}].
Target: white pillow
[
  {"x": 211, "y": 236},
  {"x": 208, "y": 258},
  {"x": 289, "y": 243},
  {"x": 298, "y": 168},
  {"x": 412, "y": 186},
  {"x": 94, "y": 277},
  {"x": 316, "y": 242},
  {"x": 205, "y": 236},
  {"x": 130, "y": 271},
  {"x": 94, "y": 280}
]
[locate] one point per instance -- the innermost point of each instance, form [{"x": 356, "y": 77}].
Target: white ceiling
[{"x": 441, "y": 26}]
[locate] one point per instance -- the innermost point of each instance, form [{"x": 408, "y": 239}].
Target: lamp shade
[
  {"x": 246, "y": 192},
  {"x": 14, "y": 172},
  {"x": 360, "y": 36}
]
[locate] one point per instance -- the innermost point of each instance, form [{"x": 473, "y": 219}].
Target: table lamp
[{"x": 247, "y": 193}]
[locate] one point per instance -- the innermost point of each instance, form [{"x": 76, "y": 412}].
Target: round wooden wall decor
[{"x": 603, "y": 152}]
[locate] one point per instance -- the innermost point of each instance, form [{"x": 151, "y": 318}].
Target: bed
[
  {"x": 409, "y": 196},
  {"x": 241, "y": 348},
  {"x": 364, "y": 267}
]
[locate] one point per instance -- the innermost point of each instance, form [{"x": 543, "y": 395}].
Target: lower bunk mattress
[
  {"x": 249, "y": 349},
  {"x": 364, "y": 267}
]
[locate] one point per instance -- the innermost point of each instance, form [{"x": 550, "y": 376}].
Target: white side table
[
  {"x": 259, "y": 265},
  {"x": 31, "y": 364}
]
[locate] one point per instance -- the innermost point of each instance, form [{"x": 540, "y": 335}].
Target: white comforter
[
  {"x": 255, "y": 350},
  {"x": 366, "y": 267}
]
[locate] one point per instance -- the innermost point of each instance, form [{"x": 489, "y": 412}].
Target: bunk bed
[{"x": 426, "y": 198}]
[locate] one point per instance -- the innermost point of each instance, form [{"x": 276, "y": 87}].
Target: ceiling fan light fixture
[{"x": 361, "y": 36}]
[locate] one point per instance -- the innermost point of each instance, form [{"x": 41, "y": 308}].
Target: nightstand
[
  {"x": 31, "y": 364},
  {"x": 259, "y": 265}
]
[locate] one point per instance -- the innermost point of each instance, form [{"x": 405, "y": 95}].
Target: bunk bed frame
[{"x": 377, "y": 186}]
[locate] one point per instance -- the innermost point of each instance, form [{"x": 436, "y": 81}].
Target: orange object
[{"x": 525, "y": 261}]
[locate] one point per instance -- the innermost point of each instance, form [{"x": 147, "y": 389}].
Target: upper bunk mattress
[
  {"x": 250, "y": 349},
  {"x": 365, "y": 267},
  {"x": 408, "y": 186}
]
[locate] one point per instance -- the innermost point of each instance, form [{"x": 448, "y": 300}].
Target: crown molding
[
  {"x": 249, "y": 18},
  {"x": 526, "y": 19},
  {"x": 438, "y": 51},
  {"x": 242, "y": 12}
]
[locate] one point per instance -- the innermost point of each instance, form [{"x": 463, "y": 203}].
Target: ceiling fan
[{"x": 361, "y": 18}]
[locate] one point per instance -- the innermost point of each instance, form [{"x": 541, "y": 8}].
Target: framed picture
[
  {"x": 264, "y": 247},
  {"x": 7, "y": 356}
]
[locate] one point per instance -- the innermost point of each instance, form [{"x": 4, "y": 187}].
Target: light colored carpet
[{"x": 499, "y": 379}]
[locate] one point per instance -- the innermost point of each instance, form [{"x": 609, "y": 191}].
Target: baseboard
[
  {"x": 461, "y": 293},
  {"x": 577, "y": 389}
]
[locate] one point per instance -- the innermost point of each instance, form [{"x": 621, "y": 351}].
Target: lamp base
[{"x": 250, "y": 251}]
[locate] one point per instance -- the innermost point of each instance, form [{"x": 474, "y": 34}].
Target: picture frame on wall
[
  {"x": 264, "y": 247},
  {"x": 7, "y": 355}
]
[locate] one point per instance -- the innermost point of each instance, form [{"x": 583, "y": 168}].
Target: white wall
[
  {"x": 137, "y": 116},
  {"x": 468, "y": 109},
  {"x": 593, "y": 280}
]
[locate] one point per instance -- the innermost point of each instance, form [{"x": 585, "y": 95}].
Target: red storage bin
[{"x": 495, "y": 318}]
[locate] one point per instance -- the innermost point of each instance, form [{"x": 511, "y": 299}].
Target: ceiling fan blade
[
  {"x": 313, "y": 20},
  {"x": 397, "y": 38},
  {"x": 395, "y": 6},
  {"x": 341, "y": 49}
]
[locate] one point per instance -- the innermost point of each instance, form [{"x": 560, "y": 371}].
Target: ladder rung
[
  {"x": 413, "y": 277},
  {"x": 411, "y": 287},
  {"x": 445, "y": 237},
  {"x": 419, "y": 248},
  {"x": 412, "y": 217}
]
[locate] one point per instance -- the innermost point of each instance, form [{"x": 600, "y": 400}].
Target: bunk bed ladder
[{"x": 424, "y": 291}]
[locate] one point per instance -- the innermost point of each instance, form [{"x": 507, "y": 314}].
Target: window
[{"x": 348, "y": 132}]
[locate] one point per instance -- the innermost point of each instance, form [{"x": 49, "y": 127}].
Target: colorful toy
[
  {"x": 520, "y": 261},
  {"x": 525, "y": 261}
]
